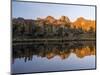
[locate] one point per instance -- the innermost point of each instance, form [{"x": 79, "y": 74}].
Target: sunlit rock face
[
  {"x": 80, "y": 22},
  {"x": 49, "y": 20},
  {"x": 64, "y": 19},
  {"x": 85, "y": 24}
]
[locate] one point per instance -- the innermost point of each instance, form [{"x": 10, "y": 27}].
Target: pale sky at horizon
[{"x": 29, "y": 10}]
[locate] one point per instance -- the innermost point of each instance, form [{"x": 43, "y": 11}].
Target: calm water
[{"x": 53, "y": 57}]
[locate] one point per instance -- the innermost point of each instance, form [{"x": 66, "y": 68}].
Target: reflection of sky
[
  {"x": 39, "y": 64},
  {"x": 34, "y": 10}
]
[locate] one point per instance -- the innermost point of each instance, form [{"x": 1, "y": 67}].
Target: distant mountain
[
  {"x": 84, "y": 24},
  {"x": 80, "y": 22},
  {"x": 49, "y": 20}
]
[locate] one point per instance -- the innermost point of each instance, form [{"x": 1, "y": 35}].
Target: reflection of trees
[{"x": 81, "y": 49}]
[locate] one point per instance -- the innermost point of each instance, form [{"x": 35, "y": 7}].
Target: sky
[{"x": 31, "y": 10}]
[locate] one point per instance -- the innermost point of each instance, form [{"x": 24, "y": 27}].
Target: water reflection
[{"x": 27, "y": 51}]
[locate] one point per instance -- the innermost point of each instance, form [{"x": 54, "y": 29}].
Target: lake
[{"x": 43, "y": 57}]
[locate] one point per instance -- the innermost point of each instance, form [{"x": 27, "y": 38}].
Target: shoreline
[{"x": 49, "y": 41}]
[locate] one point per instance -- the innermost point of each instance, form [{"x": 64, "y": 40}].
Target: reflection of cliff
[
  {"x": 85, "y": 51},
  {"x": 81, "y": 49}
]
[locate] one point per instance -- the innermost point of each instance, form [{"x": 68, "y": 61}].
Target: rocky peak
[
  {"x": 84, "y": 24},
  {"x": 64, "y": 18},
  {"x": 49, "y": 18}
]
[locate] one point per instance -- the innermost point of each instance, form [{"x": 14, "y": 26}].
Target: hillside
[{"x": 50, "y": 27}]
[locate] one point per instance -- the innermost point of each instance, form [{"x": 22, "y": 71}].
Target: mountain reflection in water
[{"x": 27, "y": 51}]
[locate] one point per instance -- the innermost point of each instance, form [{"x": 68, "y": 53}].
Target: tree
[
  {"x": 60, "y": 32},
  {"x": 91, "y": 30}
]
